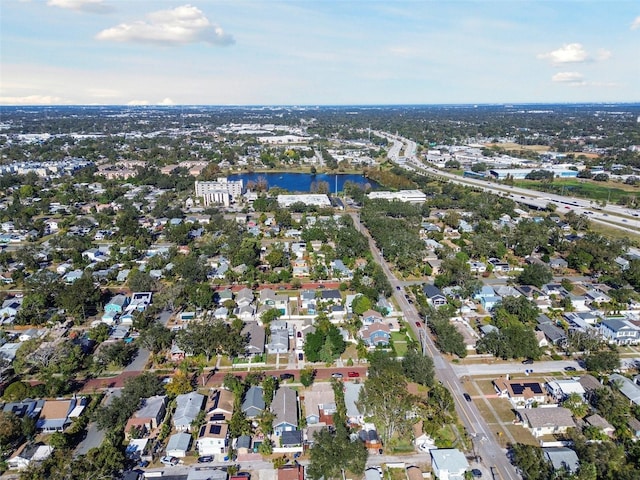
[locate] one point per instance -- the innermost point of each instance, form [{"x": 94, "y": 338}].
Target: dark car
[
  {"x": 205, "y": 459},
  {"x": 300, "y": 356},
  {"x": 398, "y": 287},
  {"x": 418, "y": 324},
  {"x": 243, "y": 474},
  {"x": 286, "y": 376},
  {"x": 528, "y": 361},
  {"x": 476, "y": 473},
  {"x": 569, "y": 369},
  {"x": 467, "y": 397},
  {"x": 353, "y": 374}
]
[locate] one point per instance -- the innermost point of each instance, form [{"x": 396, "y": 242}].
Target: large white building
[
  {"x": 220, "y": 192},
  {"x": 410, "y": 196},
  {"x": 285, "y": 201}
]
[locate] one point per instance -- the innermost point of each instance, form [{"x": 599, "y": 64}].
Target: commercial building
[
  {"x": 409, "y": 196},
  {"x": 285, "y": 201}
]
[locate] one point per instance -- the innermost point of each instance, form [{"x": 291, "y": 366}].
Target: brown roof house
[
  {"x": 546, "y": 421},
  {"x": 55, "y": 415}
]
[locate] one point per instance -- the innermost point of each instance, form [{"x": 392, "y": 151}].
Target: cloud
[
  {"x": 180, "y": 26},
  {"x": 635, "y": 25},
  {"x": 567, "y": 77},
  {"x": 133, "y": 103},
  {"x": 602, "y": 54},
  {"x": 569, "y": 53},
  {"x": 86, "y": 6},
  {"x": 31, "y": 100},
  {"x": 166, "y": 101}
]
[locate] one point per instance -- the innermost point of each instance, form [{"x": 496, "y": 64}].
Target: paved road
[
  {"x": 487, "y": 445},
  {"x": 501, "y": 368}
]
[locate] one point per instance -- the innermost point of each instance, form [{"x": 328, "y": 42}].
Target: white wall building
[{"x": 222, "y": 191}]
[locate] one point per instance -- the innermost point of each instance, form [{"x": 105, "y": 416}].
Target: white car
[{"x": 173, "y": 461}]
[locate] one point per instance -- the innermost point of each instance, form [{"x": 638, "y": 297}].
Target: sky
[{"x": 326, "y": 52}]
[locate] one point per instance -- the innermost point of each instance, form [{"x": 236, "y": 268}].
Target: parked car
[
  {"x": 476, "y": 473},
  {"x": 528, "y": 361},
  {"x": 173, "y": 461},
  {"x": 337, "y": 375},
  {"x": 467, "y": 397},
  {"x": 418, "y": 324},
  {"x": 205, "y": 459},
  {"x": 300, "y": 356},
  {"x": 286, "y": 376},
  {"x": 569, "y": 369},
  {"x": 353, "y": 374}
]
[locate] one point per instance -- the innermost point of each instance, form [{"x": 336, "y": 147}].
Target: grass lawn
[
  {"x": 395, "y": 474},
  {"x": 584, "y": 188},
  {"x": 521, "y": 435},
  {"x": 401, "y": 348},
  {"x": 398, "y": 337}
]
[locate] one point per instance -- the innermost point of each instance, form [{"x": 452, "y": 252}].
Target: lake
[{"x": 301, "y": 182}]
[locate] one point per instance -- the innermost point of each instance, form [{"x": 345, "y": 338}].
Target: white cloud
[
  {"x": 87, "y": 6},
  {"x": 134, "y": 103},
  {"x": 180, "y": 26},
  {"x": 31, "y": 100},
  {"x": 569, "y": 53},
  {"x": 635, "y": 25},
  {"x": 602, "y": 54},
  {"x": 166, "y": 101},
  {"x": 567, "y": 77}
]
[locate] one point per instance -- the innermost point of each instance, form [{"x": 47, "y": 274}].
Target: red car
[
  {"x": 418, "y": 324},
  {"x": 353, "y": 374}
]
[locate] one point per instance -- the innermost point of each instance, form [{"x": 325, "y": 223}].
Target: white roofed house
[
  {"x": 28, "y": 454},
  {"x": 188, "y": 406},
  {"x": 561, "y": 389},
  {"x": 179, "y": 444},
  {"x": 449, "y": 463}
]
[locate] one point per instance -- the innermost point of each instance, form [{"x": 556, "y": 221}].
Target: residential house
[
  {"x": 308, "y": 301},
  {"x": 293, "y": 471},
  {"x": 331, "y": 296},
  {"x": 253, "y": 403},
  {"x": 520, "y": 394},
  {"x": 220, "y": 405},
  {"x": 24, "y": 408},
  {"x": 487, "y": 297},
  {"x": 150, "y": 414},
  {"x": 29, "y": 454},
  {"x": 600, "y": 423},
  {"x": 449, "y": 463},
  {"x": 562, "y": 458},
  {"x": 320, "y": 404},
  {"x": 369, "y": 436},
  {"x": 596, "y": 296},
  {"x": 340, "y": 270},
  {"x": 244, "y": 297},
  {"x": 499, "y": 265},
  {"x": 370, "y": 317},
  {"x": 626, "y": 387},
  {"x": 506, "y": 291},
  {"x": 634, "y": 426},
  {"x": 255, "y": 335},
  {"x": 435, "y": 297},
  {"x": 246, "y": 313},
  {"x": 375, "y": 334},
  {"x": 72, "y": 276},
  {"x": 351, "y": 396},
  {"x": 558, "y": 264},
  {"x": 619, "y": 332},
  {"x": 546, "y": 421},
  {"x": 55, "y": 415},
  {"x": 561, "y": 389},
  {"x": 291, "y": 439},
  {"x": 212, "y": 439},
  {"x": 179, "y": 444},
  {"x": 117, "y": 304},
  {"x": 554, "y": 334},
  {"x": 10, "y": 308},
  {"x": 285, "y": 408},
  {"x": 221, "y": 313},
  {"x": 279, "y": 342},
  {"x": 188, "y": 406},
  {"x": 373, "y": 473}
]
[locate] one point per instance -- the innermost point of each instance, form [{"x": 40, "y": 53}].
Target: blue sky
[{"x": 327, "y": 52}]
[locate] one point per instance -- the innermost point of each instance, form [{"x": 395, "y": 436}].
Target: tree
[
  {"x": 10, "y": 431},
  {"x": 332, "y": 453},
  {"x": 384, "y": 397},
  {"x": 360, "y": 304},
  {"x": 155, "y": 338},
  {"x": 576, "y": 404},
  {"x": 535, "y": 274},
  {"x": 180, "y": 384},
  {"x": 418, "y": 368},
  {"x": 269, "y": 387},
  {"x": 270, "y": 315},
  {"x": 16, "y": 391},
  {"x": 603, "y": 361},
  {"x": 307, "y": 376},
  {"x": 531, "y": 463},
  {"x": 211, "y": 337}
]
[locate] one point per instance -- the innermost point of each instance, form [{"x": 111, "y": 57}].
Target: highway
[
  {"x": 486, "y": 444},
  {"x": 614, "y": 216}
]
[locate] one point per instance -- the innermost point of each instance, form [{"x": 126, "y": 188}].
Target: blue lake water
[{"x": 301, "y": 182}]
